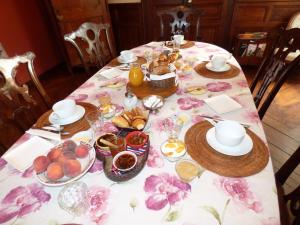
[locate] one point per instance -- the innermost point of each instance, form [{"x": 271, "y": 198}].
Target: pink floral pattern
[
  {"x": 189, "y": 103},
  {"x": 240, "y": 192},
  {"x": 218, "y": 86},
  {"x": 108, "y": 127},
  {"x": 97, "y": 166},
  {"x": 164, "y": 189},
  {"x": 252, "y": 116},
  {"x": 2, "y": 163},
  {"x": 87, "y": 85},
  {"x": 197, "y": 119},
  {"x": 79, "y": 97},
  {"x": 155, "y": 159},
  {"x": 98, "y": 199},
  {"x": 242, "y": 83},
  {"x": 21, "y": 201},
  {"x": 161, "y": 124}
]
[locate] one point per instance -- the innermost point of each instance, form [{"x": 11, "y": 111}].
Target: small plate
[
  {"x": 241, "y": 149},
  {"x": 153, "y": 102},
  {"x": 86, "y": 164},
  {"x": 223, "y": 69},
  {"x": 120, "y": 60},
  {"x": 85, "y": 136},
  {"x": 183, "y": 42},
  {"x": 173, "y": 151},
  {"x": 77, "y": 116}
]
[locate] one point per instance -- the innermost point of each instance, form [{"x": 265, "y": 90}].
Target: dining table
[{"x": 156, "y": 195}]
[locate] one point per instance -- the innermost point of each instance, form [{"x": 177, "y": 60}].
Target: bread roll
[
  {"x": 160, "y": 70},
  {"x": 119, "y": 121},
  {"x": 138, "y": 124}
]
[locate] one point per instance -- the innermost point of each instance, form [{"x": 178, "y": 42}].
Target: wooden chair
[
  {"x": 184, "y": 18},
  {"x": 274, "y": 68},
  {"x": 18, "y": 109},
  {"x": 100, "y": 49},
  {"x": 292, "y": 199}
]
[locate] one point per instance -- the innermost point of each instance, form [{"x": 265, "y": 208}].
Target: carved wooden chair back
[
  {"x": 294, "y": 22},
  {"x": 274, "y": 68},
  {"x": 18, "y": 109},
  {"x": 291, "y": 199},
  {"x": 183, "y": 19},
  {"x": 100, "y": 49}
]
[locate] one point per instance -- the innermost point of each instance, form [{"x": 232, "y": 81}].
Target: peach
[
  {"x": 41, "y": 163},
  {"x": 54, "y": 154},
  {"x": 69, "y": 154},
  {"x": 69, "y": 145},
  {"x": 81, "y": 151},
  {"x": 72, "y": 167},
  {"x": 55, "y": 171}
]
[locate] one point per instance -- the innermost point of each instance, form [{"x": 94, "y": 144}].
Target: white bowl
[
  {"x": 229, "y": 133},
  {"x": 125, "y": 153}
]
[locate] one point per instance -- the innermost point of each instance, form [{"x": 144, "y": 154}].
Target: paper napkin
[
  {"x": 45, "y": 134},
  {"x": 222, "y": 104},
  {"x": 111, "y": 73},
  {"x": 22, "y": 156}
]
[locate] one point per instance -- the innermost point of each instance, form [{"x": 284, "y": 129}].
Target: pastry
[
  {"x": 120, "y": 122},
  {"x": 138, "y": 124}
]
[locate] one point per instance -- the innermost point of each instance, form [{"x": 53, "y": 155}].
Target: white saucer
[
  {"x": 121, "y": 60},
  {"x": 183, "y": 42},
  {"x": 75, "y": 117},
  {"x": 241, "y": 149},
  {"x": 225, "y": 68}
]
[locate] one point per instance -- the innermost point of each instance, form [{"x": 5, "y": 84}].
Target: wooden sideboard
[{"x": 137, "y": 23}]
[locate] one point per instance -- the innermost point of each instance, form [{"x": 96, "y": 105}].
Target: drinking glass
[
  {"x": 95, "y": 120},
  {"x": 176, "y": 46},
  {"x": 74, "y": 198},
  {"x": 173, "y": 129},
  {"x": 148, "y": 56}
]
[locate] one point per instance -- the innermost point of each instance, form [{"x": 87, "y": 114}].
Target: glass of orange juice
[{"x": 136, "y": 75}]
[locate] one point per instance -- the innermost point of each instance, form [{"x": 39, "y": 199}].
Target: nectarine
[
  {"x": 72, "y": 167},
  {"x": 41, "y": 163},
  {"x": 69, "y": 145},
  {"x": 54, "y": 154},
  {"x": 81, "y": 151},
  {"x": 55, "y": 171}
]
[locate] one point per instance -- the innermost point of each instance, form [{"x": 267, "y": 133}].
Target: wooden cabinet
[
  {"x": 128, "y": 25},
  {"x": 68, "y": 15},
  {"x": 212, "y": 25},
  {"x": 260, "y": 16}
]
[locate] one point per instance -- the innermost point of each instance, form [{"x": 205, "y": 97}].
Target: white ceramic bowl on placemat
[{"x": 79, "y": 113}]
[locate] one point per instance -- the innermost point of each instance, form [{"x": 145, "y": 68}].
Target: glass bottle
[{"x": 136, "y": 75}]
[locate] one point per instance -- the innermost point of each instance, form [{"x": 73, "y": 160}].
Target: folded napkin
[
  {"x": 222, "y": 104},
  {"x": 112, "y": 73},
  {"x": 22, "y": 156},
  {"x": 162, "y": 77},
  {"x": 45, "y": 134}
]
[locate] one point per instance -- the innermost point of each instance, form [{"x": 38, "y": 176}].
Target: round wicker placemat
[
  {"x": 230, "y": 166},
  {"x": 115, "y": 61},
  {"x": 147, "y": 89},
  {"x": 188, "y": 44},
  {"x": 203, "y": 71},
  {"x": 72, "y": 128}
]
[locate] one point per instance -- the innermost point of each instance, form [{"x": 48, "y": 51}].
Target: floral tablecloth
[{"x": 156, "y": 195}]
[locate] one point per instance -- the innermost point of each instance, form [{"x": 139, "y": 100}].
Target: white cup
[
  {"x": 178, "y": 38},
  {"x": 218, "y": 61},
  {"x": 126, "y": 55},
  {"x": 229, "y": 133},
  {"x": 64, "y": 109}
]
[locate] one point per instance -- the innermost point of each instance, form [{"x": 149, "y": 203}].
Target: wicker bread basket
[{"x": 164, "y": 81}]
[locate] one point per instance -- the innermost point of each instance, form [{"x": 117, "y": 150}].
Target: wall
[{"x": 25, "y": 27}]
